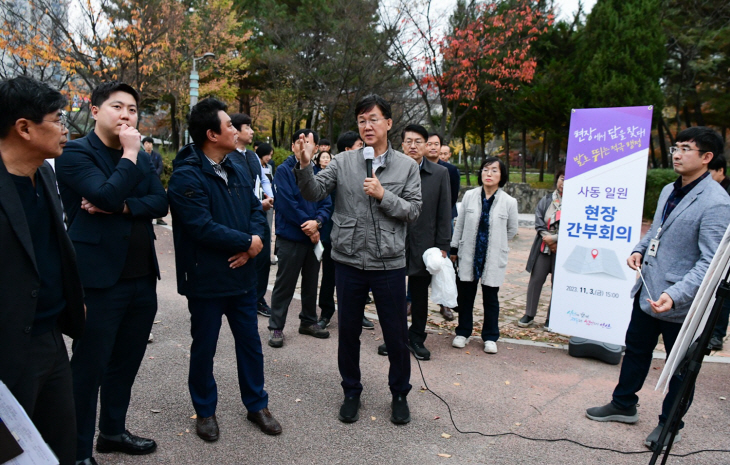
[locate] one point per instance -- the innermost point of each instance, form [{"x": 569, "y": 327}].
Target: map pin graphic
[{"x": 594, "y": 252}]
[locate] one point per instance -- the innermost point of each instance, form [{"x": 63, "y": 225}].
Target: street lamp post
[{"x": 194, "y": 86}]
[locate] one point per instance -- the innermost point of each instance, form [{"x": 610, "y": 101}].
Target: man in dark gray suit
[
  {"x": 431, "y": 229},
  {"x": 691, "y": 218},
  {"x": 40, "y": 289}
]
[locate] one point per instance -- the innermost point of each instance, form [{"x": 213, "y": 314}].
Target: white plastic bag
[{"x": 443, "y": 278}]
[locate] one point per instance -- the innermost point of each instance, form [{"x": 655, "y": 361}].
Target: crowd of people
[{"x": 81, "y": 250}]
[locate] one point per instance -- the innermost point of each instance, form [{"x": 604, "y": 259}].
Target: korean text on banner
[{"x": 603, "y": 198}]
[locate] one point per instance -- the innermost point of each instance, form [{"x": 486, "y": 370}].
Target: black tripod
[{"x": 689, "y": 369}]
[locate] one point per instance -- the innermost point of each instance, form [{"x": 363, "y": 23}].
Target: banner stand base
[{"x": 586, "y": 348}]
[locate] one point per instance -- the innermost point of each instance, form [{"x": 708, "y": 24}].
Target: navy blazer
[
  {"x": 19, "y": 278},
  {"x": 86, "y": 169}
]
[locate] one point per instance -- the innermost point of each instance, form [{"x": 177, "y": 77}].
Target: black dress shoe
[
  {"x": 130, "y": 444},
  {"x": 266, "y": 421},
  {"x": 401, "y": 413},
  {"x": 349, "y": 412},
  {"x": 89, "y": 461},
  {"x": 715, "y": 343},
  {"x": 323, "y": 323},
  {"x": 367, "y": 324},
  {"x": 314, "y": 331},
  {"x": 419, "y": 350},
  {"x": 382, "y": 350},
  {"x": 207, "y": 428}
]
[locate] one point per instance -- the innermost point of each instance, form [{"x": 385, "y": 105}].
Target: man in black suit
[
  {"x": 431, "y": 229},
  {"x": 40, "y": 290},
  {"x": 111, "y": 193},
  {"x": 434, "y": 144}
]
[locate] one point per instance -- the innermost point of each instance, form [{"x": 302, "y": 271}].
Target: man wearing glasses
[
  {"x": 368, "y": 246},
  {"x": 691, "y": 218},
  {"x": 40, "y": 290}
]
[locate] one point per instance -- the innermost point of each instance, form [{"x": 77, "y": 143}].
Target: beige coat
[{"x": 503, "y": 223}]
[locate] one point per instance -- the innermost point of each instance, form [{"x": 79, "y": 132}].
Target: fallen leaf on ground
[
  {"x": 373, "y": 418},
  {"x": 158, "y": 321},
  {"x": 444, "y": 455},
  {"x": 194, "y": 416},
  {"x": 297, "y": 400},
  {"x": 436, "y": 418},
  {"x": 457, "y": 384},
  {"x": 445, "y": 435},
  {"x": 507, "y": 383},
  {"x": 467, "y": 352},
  {"x": 154, "y": 410},
  {"x": 180, "y": 434},
  {"x": 722, "y": 398},
  {"x": 187, "y": 430},
  {"x": 518, "y": 424}
]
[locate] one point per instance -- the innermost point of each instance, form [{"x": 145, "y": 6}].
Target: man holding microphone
[{"x": 368, "y": 246}]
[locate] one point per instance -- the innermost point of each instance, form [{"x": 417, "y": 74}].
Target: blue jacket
[
  {"x": 291, "y": 208},
  {"x": 86, "y": 169},
  {"x": 212, "y": 222}
]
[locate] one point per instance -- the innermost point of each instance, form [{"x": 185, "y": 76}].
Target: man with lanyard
[
  {"x": 691, "y": 218},
  {"x": 263, "y": 191}
]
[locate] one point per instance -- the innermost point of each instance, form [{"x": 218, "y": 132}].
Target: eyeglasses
[
  {"x": 434, "y": 144},
  {"x": 372, "y": 122},
  {"x": 491, "y": 171},
  {"x": 683, "y": 149},
  {"x": 417, "y": 142},
  {"x": 61, "y": 122}
]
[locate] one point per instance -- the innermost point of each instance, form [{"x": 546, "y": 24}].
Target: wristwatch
[{"x": 319, "y": 224}]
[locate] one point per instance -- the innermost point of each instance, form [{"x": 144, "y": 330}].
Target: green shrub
[
  {"x": 280, "y": 154},
  {"x": 167, "y": 158},
  {"x": 656, "y": 179}
]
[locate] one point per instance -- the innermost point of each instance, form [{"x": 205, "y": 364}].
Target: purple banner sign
[{"x": 599, "y": 136}]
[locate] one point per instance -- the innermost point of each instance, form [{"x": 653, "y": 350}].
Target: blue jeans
[
  {"x": 641, "y": 339},
  {"x": 205, "y": 326},
  {"x": 389, "y": 293}
]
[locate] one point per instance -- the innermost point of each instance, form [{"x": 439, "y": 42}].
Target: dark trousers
[
  {"x": 295, "y": 258},
  {"x": 106, "y": 359},
  {"x": 467, "y": 293},
  {"x": 205, "y": 324},
  {"x": 389, "y": 293},
  {"x": 262, "y": 263},
  {"x": 720, "y": 330},
  {"x": 544, "y": 266},
  {"x": 641, "y": 339},
  {"x": 45, "y": 391},
  {"x": 327, "y": 286},
  {"x": 419, "y": 307}
]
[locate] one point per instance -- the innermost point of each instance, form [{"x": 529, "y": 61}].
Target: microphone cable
[{"x": 512, "y": 433}]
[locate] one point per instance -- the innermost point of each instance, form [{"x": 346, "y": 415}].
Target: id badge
[{"x": 653, "y": 247}]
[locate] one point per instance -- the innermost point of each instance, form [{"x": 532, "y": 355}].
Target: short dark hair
[
  {"x": 204, "y": 116},
  {"x": 718, "y": 163},
  {"x": 264, "y": 149},
  {"x": 559, "y": 172},
  {"x": 431, "y": 134},
  {"x": 347, "y": 140},
  {"x": 102, "y": 92},
  {"x": 371, "y": 101},
  {"x": 148, "y": 139},
  {"x": 239, "y": 119},
  {"x": 417, "y": 128},
  {"x": 25, "y": 97},
  {"x": 502, "y": 170},
  {"x": 325, "y": 142},
  {"x": 705, "y": 138},
  {"x": 306, "y": 132}
]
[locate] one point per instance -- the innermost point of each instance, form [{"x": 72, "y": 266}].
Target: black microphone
[{"x": 368, "y": 153}]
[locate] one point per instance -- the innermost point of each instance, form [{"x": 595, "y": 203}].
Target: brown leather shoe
[
  {"x": 266, "y": 421},
  {"x": 207, "y": 428},
  {"x": 447, "y": 313}
]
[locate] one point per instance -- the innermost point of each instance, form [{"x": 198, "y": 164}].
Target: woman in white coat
[{"x": 487, "y": 221}]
